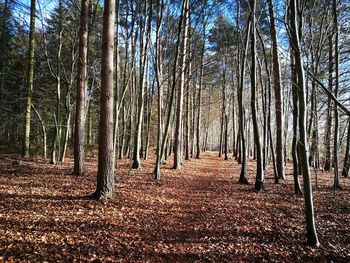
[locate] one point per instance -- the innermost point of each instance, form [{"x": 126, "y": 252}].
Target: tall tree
[
  {"x": 181, "y": 84},
  {"x": 336, "y": 184},
  {"x": 159, "y": 79},
  {"x": 79, "y": 128},
  {"x": 259, "y": 181},
  {"x": 312, "y": 238},
  {"x": 145, "y": 30},
  {"x": 242, "y": 133},
  {"x": 30, "y": 80},
  {"x": 105, "y": 173},
  {"x": 278, "y": 93}
]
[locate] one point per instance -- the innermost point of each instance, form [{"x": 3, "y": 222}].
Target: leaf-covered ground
[{"x": 198, "y": 213}]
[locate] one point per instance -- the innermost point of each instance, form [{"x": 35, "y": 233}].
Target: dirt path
[{"x": 198, "y": 213}]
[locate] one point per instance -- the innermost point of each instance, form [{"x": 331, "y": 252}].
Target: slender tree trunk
[
  {"x": 200, "y": 88},
  {"x": 181, "y": 83},
  {"x": 243, "y": 153},
  {"x": 43, "y": 129},
  {"x": 159, "y": 81},
  {"x": 278, "y": 94},
  {"x": 79, "y": 127},
  {"x": 296, "y": 165},
  {"x": 173, "y": 86},
  {"x": 3, "y": 42},
  {"x": 345, "y": 172},
  {"x": 144, "y": 32},
  {"x": 187, "y": 123},
  {"x": 295, "y": 43},
  {"x": 336, "y": 184},
  {"x": 259, "y": 181},
  {"x": 30, "y": 80},
  {"x": 327, "y": 140},
  {"x": 56, "y": 144}
]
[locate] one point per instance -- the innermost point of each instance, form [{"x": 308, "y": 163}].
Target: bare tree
[{"x": 312, "y": 238}]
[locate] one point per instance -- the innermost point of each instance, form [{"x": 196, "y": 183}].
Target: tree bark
[
  {"x": 243, "y": 145},
  {"x": 312, "y": 238},
  {"x": 336, "y": 184},
  {"x": 105, "y": 174},
  {"x": 259, "y": 181},
  {"x": 30, "y": 81},
  {"x": 278, "y": 94},
  {"x": 181, "y": 83},
  {"x": 79, "y": 127}
]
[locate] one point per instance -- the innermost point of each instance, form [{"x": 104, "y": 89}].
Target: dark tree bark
[
  {"x": 296, "y": 165},
  {"x": 336, "y": 184},
  {"x": 259, "y": 181},
  {"x": 327, "y": 139},
  {"x": 105, "y": 173},
  {"x": 79, "y": 128},
  {"x": 159, "y": 79},
  {"x": 278, "y": 94},
  {"x": 345, "y": 172},
  {"x": 30, "y": 81}
]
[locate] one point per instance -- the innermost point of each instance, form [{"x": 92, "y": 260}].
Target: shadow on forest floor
[{"x": 198, "y": 213}]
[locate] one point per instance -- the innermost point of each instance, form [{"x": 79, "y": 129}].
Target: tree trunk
[
  {"x": 243, "y": 145},
  {"x": 79, "y": 127},
  {"x": 43, "y": 129},
  {"x": 30, "y": 80},
  {"x": 295, "y": 43},
  {"x": 336, "y": 184},
  {"x": 159, "y": 81},
  {"x": 181, "y": 83},
  {"x": 345, "y": 172},
  {"x": 278, "y": 94},
  {"x": 295, "y": 155},
  {"x": 259, "y": 181},
  {"x": 199, "y": 106},
  {"x": 327, "y": 139},
  {"x": 105, "y": 174},
  {"x": 144, "y": 34}
]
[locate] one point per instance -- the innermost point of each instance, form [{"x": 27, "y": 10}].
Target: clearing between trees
[{"x": 198, "y": 213}]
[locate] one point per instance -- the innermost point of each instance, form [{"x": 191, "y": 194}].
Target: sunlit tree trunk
[
  {"x": 144, "y": 38},
  {"x": 79, "y": 127},
  {"x": 243, "y": 151},
  {"x": 105, "y": 174},
  {"x": 181, "y": 83},
  {"x": 159, "y": 80},
  {"x": 312, "y": 238},
  {"x": 199, "y": 101}
]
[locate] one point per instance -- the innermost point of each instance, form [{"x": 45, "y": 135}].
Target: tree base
[
  {"x": 259, "y": 187},
  {"x": 103, "y": 195},
  {"x": 136, "y": 164},
  {"x": 243, "y": 180}
]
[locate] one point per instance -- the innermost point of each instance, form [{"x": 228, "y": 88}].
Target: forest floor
[{"x": 198, "y": 213}]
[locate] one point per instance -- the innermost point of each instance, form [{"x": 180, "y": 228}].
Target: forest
[{"x": 174, "y": 131}]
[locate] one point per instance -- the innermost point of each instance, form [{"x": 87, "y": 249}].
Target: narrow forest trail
[{"x": 198, "y": 213}]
